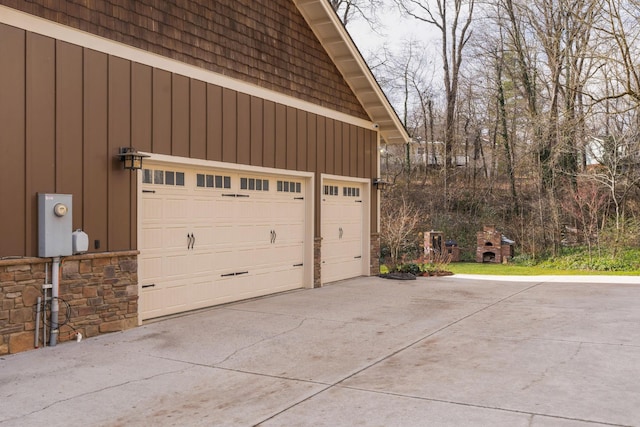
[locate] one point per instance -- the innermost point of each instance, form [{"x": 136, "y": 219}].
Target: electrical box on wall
[
  {"x": 80, "y": 242},
  {"x": 54, "y": 225}
]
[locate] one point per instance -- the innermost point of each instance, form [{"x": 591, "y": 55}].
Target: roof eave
[{"x": 340, "y": 47}]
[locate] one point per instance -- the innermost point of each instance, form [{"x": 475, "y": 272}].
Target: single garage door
[
  {"x": 342, "y": 225},
  {"x": 211, "y": 236}
]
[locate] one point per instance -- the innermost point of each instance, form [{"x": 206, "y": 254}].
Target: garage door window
[
  {"x": 254, "y": 184},
  {"x": 213, "y": 181},
  {"x": 161, "y": 177},
  {"x": 289, "y": 187},
  {"x": 350, "y": 192},
  {"x": 331, "y": 190}
]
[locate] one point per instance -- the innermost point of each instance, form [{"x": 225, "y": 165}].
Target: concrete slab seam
[
  {"x": 471, "y": 405},
  {"x": 113, "y": 386},
  {"x": 374, "y": 363}
]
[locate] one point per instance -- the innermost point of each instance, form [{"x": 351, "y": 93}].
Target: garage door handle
[
  {"x": 148, "y": 286},
  {"x": 191, "y": 240},
  {"x": 357, "y": 257},
  {"x": 340, "y": 233},
  {"x": 298, "y": 198},
  {"x": 298, "y": 265}
]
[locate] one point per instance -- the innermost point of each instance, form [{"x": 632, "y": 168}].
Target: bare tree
[
  {"x": 620, "y": 32},
  {"x": 455, "y": 31},
  {"x": 586, "y": 206},
  {"x": 398, "y": 225},
  {"x": 349, "y": 10}
]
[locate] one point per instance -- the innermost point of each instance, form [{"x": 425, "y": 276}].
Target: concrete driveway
[{"x": 455, "y": 351}]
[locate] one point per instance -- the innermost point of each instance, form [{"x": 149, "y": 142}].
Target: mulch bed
[{"x": 396, "y": 275}]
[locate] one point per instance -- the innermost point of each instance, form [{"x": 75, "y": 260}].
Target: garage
[
  {"x": 344, "y": 253},
  {"x": 210, "y": 236}
]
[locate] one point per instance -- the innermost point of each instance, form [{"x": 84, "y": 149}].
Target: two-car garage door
[{"x": 212, "y": 236}]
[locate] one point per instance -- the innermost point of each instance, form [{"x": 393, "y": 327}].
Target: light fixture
[
  {"x": 380, "y": 183},
  {"x": 130, "y": 158}
]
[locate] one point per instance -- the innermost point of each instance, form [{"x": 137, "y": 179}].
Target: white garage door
[
  {"x": 342, "y": 225},
  {"x": 209, "y": 237}
]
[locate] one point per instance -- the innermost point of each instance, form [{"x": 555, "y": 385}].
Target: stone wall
[
  {"x": 99, "y": 292},
  {"x": 375, "y": 254},
  {"x": 317, "y": 262}
]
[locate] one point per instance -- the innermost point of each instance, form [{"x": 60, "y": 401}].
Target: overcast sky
[{"x": 394, "y": 31}]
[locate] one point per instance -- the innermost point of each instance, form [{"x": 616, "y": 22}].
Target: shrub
[{"x": 410, "y": 267}]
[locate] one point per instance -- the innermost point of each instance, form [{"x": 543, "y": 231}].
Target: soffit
[{"x": 336, "y": 40}]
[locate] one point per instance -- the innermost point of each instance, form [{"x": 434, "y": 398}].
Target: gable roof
[{"x": 336, "y": 40}]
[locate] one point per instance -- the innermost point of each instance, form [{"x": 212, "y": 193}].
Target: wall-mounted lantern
[
  {"x": 380, "y": 184},
  {"x": 130, "y": 158}
]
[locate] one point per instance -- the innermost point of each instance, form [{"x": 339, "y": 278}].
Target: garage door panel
[
  {"x": 176, "y": 208},
  {"x": 151, "y": 264},
  {"x": 152, "y": 209},
  {"x": 176, "y": 296},
  {"x": 289, "y": 236},
  {"x": 152, "y": 237},
  {"x": 224, "y": 236},
  {"x": 201, "y": 292},
  {"x": 175, "y": 238},
  {"x": 206, "y": 245},
  {"x": 175, "y": 266},
  {"x": 203, "y": 208},
  {"x": 225, "y": 261},
  {"x": 201, "y": 263},
  {"x": 251, "y": 234},
  {"x": 289, "y": 254},
  {"x": 202, "y": 237},
  {"x": 225, "y": 208},
  {"x": 287, "y": 211}
]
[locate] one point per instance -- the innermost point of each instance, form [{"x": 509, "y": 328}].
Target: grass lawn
[{"x": 517, "y": 270}]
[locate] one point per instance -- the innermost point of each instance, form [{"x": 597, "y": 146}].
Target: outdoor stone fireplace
[{"x": 493, "y": 246}]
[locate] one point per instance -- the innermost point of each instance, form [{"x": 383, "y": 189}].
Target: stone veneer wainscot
[{"x": 101, "y": 290}]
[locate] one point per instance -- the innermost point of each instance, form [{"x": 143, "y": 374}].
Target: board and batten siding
[
  {"x": 65, "y": 110},
  {"x": 264, "y": 42}
]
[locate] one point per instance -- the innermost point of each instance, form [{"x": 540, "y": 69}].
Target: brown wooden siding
[
  {"x": 161, "y": 107},
  {"x": 69, "y": 116},
  {"x": 12, "y": 142},
  {"x": 257, "y": 132},
  {"x": 96, "y": 160},
  {"x": 40, "y": 127},
  {"x": 118, "y": 135},
  {"x": 198, "y": 120},
  {"x": 265, "y": 42},
  {"x": 66, "y": 110},
  {"x": 244, "y": 129},
  {"x": 269, "y": 141},
  {"x": 141, "y": 111},
  {"x": 180, "y": 97},
  {"x": 214, "y": 123}
]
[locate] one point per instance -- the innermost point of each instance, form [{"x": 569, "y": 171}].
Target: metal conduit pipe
[
  {"x": 55, "y": 282},
  {"x": 37, "y": 334}
]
